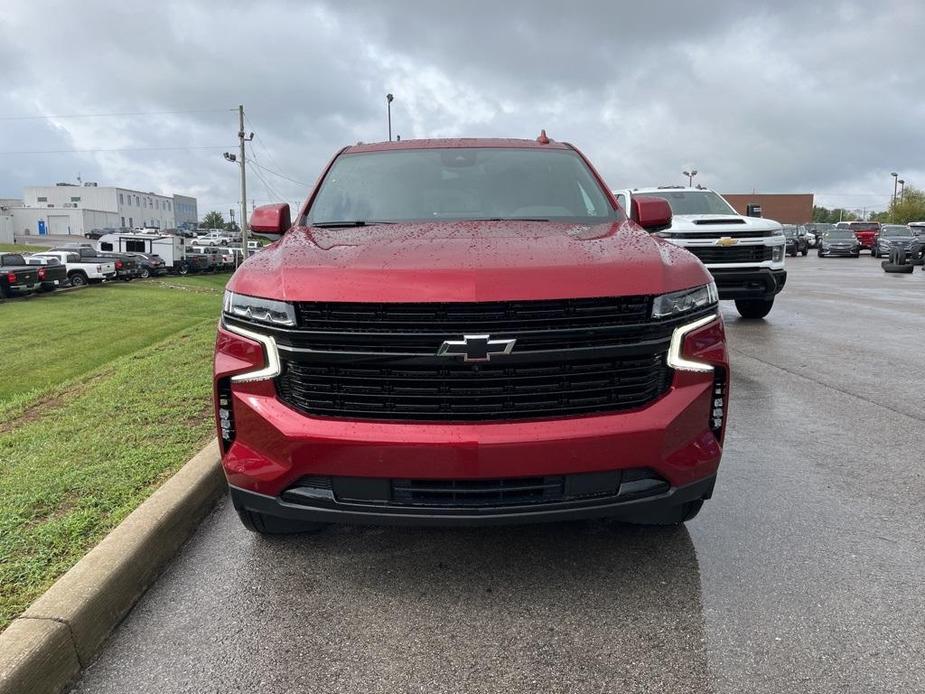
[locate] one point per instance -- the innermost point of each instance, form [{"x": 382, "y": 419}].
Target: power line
[
  {"x": 116, "y": 115},
  {"x": 116, "y": 149},
  {"x": 277, "y": 173}
]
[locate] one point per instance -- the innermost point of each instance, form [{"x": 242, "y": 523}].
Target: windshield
[
  {"x": 892, "y": 231},
  {"x": 13, "y": 259},
  {"x": 839, "y": 234},
  {"x": 450, "y": 184},
  {"x": 694, "y": 202}
]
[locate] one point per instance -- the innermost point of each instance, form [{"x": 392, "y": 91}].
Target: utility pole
[{"x": 242, "y": 137}]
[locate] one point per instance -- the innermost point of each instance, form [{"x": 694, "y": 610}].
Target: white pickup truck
[
  {"x": 80, "y": 272},
  {"x": 216, "y": 238},
  {"x": 745, "y": 255}
]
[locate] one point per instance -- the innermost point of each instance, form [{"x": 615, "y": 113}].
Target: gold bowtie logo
[{"x": 727, "y": 241}]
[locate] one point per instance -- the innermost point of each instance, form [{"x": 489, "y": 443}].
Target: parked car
[
  {"x": 839, "y": 242},
  {"x": 865, "y": 232},
  {"x": 744, "y": 254},
  {"x": 815, "y": 231},
  {"x": 215, "y": 238},
  {"x": 127, "y": 267},
  {"x": 55, "y": 273},
  {"x": 17, "y": 277},
  {"x": 796, "y": 242},
  {"x": 152, "y": 265},
  {"x": 80, "y": 271},
  {"x": 396, "y": 374},
  {"x": 197, "y": 262},
  {"x": 892, "y": 236},
  {"x": 222, "y": 258}
]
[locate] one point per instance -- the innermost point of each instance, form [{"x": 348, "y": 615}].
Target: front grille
[
  {"x": 380, "y": 361},
  {"x": 731, "y": 254},
  {"x": 458, "y": 391},
  {"x": 456, "y": 493}
]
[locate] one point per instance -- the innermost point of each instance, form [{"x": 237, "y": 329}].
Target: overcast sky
[{"x": 823, "y": 97}]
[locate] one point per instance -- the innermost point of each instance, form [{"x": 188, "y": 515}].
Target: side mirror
[
  {"x": 652, "y": 214},
  {"x": 271, "y": 221}
]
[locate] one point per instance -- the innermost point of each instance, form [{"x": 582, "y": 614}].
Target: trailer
[{"x": 171, "y": 248}]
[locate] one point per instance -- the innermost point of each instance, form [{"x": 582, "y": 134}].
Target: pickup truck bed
[{"x": 17, "y": 277}]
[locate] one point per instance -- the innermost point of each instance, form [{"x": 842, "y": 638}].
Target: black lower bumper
[
  {"x": 748, "y": 283},
  {"x": 326, "y": 509}
]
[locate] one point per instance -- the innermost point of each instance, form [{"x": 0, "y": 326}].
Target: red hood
[{"x": 467, "y": 261}]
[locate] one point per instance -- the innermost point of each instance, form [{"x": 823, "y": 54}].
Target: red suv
[{"x": 461, "y": 332}]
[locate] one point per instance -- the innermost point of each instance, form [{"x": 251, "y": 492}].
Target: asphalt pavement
[{"x": 804, "y": 573}]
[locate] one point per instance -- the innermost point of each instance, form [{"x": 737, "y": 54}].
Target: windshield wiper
[{"x": 350, "y": 223}]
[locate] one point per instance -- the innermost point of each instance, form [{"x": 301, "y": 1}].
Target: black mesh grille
[
  {"x": 731, "y": 254},
  {"x": 458, "y": 391},
  {"x": 381, "y": 361},
  {"x": 457, "y": 493}
]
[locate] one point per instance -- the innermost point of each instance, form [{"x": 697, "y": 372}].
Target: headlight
[
  {"x": 777, "y": 254},
  {"x": 667, "y": 234},
  {"x": 257, "y": 310},
  {"x": 685, "y": 301}
]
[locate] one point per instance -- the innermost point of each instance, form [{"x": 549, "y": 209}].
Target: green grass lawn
[
  {"x": 104, "y": 393},
  {"x": 21, "y": 248}
]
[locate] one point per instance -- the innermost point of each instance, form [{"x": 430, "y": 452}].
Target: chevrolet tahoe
[{"x": 468, "y": 332}]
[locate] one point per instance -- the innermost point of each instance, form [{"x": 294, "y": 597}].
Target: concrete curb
[{"x": 45, "y": 649}]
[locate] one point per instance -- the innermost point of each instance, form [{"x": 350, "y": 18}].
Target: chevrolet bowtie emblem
[
  {"x": 475, "y": 347},
  {"x": 726, "y": 241}
]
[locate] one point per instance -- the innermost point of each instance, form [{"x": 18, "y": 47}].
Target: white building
[
  {"x": 185, "y": 211},
  {"x": 71, "y": 209}
]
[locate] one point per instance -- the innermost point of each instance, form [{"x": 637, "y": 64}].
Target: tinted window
[
  {"x": 106, "y": 246},
  {"x": 694, "y": 202},
  {"x": 896, "y": 231},
  {"x": 135, "y": 245},
  {"x": 457, "y": 184},
  {"x": 13, "y": 259},
  {"x": 839, "y": 234}
]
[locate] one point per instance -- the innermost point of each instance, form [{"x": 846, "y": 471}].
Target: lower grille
[
  {"x": 457, "y": 391},
  {"x": 731, "y": 254},
  {"x": 477, "y": 492}
]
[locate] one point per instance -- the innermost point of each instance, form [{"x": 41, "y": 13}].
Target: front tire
[
  {"x": 805, "y": 252},
  {"x": 753, "y": 309},
  {"x": 145, "y": 273}
]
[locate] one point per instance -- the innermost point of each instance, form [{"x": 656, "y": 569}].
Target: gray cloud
[{"x": 824, "y": 97}]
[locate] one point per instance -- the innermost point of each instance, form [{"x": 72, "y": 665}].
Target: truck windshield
[
  {"x": 694, "y": 202},
  {"x": 12, "y": 259},
  {"x": 451, "y": 184}
]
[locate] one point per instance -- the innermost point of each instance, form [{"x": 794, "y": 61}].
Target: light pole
[
  {"x": 902, "y": 187},
  {"x": 690, "y": 177},
  {"x": 893, "y": 200},
  {"x": 388, "y": 105}
]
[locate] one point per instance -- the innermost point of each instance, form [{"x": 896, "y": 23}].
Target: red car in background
[
  {"x": 468, "y": 332},
  {"x": 865, "y": 232}
]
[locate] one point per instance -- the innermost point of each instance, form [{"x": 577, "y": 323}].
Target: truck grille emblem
[
  {"x": 475, "y": 347},
  {"x": 726, "y": 241}
]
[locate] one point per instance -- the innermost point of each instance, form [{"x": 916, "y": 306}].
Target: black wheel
[
  {"x": 893, "y": 268},
  {"x": 673, "y": 515},
  {"x": 182, "y": 269},
  {"x": 273, "y": 525},
  {"x": 874, "y": 253},
  {"x": 224, "y": 243},
  {"x": 857, "y": 255},
  {"x": 805, "y": 252},
  {"x": 145, "y": 273},
  {"x": 78, "y": 279},
  {"x": 754, "y": 308},
  {"x": 819, "y": 253}
]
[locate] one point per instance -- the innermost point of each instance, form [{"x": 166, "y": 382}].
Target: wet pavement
[{"x": 804, "y": 573}]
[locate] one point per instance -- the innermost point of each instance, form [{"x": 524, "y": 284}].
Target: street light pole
[
  {"x": 902, "y": 187},
  {"x": 388, "y": 105},
  {"x": 893, "y": 200},
  {"x": 690, "y": 177}
]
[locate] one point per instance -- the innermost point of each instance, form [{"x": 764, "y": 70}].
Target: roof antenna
[{"x": 542, "y": 139}]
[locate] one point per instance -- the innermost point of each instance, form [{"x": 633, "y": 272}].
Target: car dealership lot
[{"x": 803, "y": 573}]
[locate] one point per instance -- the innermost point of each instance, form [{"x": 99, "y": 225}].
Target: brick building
[{"x": 786, "y": 208}]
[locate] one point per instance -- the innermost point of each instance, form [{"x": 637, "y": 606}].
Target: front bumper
[
  {"x": 846, "y": 252},
  {"x": 328, "y": 509},
  {"x": 748, "y": 283}
]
